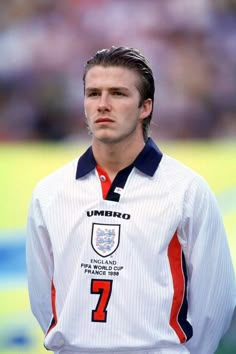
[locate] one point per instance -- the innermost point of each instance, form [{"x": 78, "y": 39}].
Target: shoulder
[
  {"x": 178, "y": 174},
  {"x": 185, "y": 184},
  {"x": 196, "y": 194},
  {"x": 56, "y": 181}
]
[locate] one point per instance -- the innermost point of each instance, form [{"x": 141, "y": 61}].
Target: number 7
[{"x": 102, "y": 287}]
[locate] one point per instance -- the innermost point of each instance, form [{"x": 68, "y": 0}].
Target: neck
[{"x": 115, "y": 157}]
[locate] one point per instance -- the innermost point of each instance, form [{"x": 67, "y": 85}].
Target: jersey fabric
[{"x": 140, "y": 265}]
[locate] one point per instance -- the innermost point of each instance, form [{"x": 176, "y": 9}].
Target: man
[{"x": 126, "y": 249}]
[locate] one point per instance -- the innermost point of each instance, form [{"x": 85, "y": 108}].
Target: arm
[
  {"x": 39, "y": 262},
  {"x": 211, "y": 290}
]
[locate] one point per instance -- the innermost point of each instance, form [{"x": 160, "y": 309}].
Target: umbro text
[{"x": 108, "y": 213}]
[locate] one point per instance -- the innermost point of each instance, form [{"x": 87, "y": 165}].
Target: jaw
[{"x": 115, "y": 139}]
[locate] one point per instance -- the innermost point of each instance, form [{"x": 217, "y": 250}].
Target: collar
[{"x": 147, "y": 161}]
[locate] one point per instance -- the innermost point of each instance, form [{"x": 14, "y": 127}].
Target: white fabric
[{"x": 59, "y": 247}]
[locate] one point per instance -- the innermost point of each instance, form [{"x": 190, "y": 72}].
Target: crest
[{"x": 105, "y": 238}]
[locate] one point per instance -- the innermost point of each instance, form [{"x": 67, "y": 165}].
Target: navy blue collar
[{"x": 147, "y": 161}]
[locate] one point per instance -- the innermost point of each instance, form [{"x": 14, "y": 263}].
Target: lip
[{"x": 104, "y": 120}]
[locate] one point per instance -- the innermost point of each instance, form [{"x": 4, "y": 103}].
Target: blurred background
[{"x": 44, "y": 45}]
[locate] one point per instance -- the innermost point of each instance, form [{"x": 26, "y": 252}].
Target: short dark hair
[{"x": 129, "y": 58}]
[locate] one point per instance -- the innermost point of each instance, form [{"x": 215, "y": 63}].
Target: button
[{"x": 102, "y": 178}]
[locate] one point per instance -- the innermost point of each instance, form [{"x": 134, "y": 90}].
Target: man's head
[{"x": 131, "y": 59}]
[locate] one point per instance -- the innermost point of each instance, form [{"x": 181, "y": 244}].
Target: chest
[{"x": 143, "y": 221}]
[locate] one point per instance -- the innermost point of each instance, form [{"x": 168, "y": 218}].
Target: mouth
[{"x": 104, "y": 120}]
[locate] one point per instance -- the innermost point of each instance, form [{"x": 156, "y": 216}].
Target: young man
[{"x": 126, "y": 248}]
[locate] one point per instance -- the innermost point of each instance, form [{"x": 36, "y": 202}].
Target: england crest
[{"x": 105, "y": 238}]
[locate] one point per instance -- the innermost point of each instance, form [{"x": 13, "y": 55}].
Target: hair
[{"x": 132, "y": 59}]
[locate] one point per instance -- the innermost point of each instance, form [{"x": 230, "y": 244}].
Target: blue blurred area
[
  {"x": 17, "y": 338},
  {"x": 18, "y": 329},
  {"x": 12, "y": 255},
  {"x": 18, "y": 333}
]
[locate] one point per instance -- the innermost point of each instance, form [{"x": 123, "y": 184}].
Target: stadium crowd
[{"x": 44, "y": 45}]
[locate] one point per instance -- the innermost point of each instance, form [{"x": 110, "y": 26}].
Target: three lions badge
[{"x": 105, "y": 238}]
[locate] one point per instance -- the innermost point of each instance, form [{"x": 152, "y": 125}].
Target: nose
[{"x": 104, "y": 104}]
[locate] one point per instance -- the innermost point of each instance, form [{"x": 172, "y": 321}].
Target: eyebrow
[{"x": 115, "y": 88}]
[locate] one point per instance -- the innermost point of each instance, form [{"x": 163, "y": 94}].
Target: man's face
[{"x": 112, "y": 104}]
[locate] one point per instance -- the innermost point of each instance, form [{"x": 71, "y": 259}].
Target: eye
[
  {"x": 118, "y": 93},
  {"x": 92, "y": 94}
]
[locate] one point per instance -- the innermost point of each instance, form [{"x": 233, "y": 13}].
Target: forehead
[{"x": 111, "y": 76}]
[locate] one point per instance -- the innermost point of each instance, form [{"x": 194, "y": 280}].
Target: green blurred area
[{"x": 23, "y": 165}]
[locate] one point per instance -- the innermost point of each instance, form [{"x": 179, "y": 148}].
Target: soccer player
[{"x": 126, "y": 248}]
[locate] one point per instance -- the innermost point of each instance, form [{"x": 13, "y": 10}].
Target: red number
[{"x": 102, "y": 287}]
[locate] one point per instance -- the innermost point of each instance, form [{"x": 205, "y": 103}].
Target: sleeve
[
  {"x": 39, "y": 261},
  {"x": 211, "y": 278}
]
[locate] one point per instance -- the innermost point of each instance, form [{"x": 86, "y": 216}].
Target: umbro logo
[{"x": 108, "y": 213}]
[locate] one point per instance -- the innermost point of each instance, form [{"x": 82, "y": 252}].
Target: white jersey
[{"x": 141, "y": 265}]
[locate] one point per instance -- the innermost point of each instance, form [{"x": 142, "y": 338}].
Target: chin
[{"x": 107, "y": 138}]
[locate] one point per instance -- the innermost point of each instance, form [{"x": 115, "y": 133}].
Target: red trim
[
  {"x": 175, "y": 260},
  {"x": 53, "y": 299},
  {"x": 106, "y": 184},
  {"x": 54, "y": 312}
]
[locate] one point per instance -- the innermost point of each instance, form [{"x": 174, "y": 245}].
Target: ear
[{"x": 146, "y": 108}]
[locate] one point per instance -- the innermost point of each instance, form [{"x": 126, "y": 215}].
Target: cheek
[
  {"x": 128, "y": 109},
  {"x": 132, "y": 112},
  {"x": 87, "y": 109}
]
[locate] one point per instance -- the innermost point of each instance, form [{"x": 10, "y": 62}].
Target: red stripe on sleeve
[
  {"x": 54, "y": 312},
  {"x": 53, "y": 297},
  {"x": 175, "y": 260}
]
